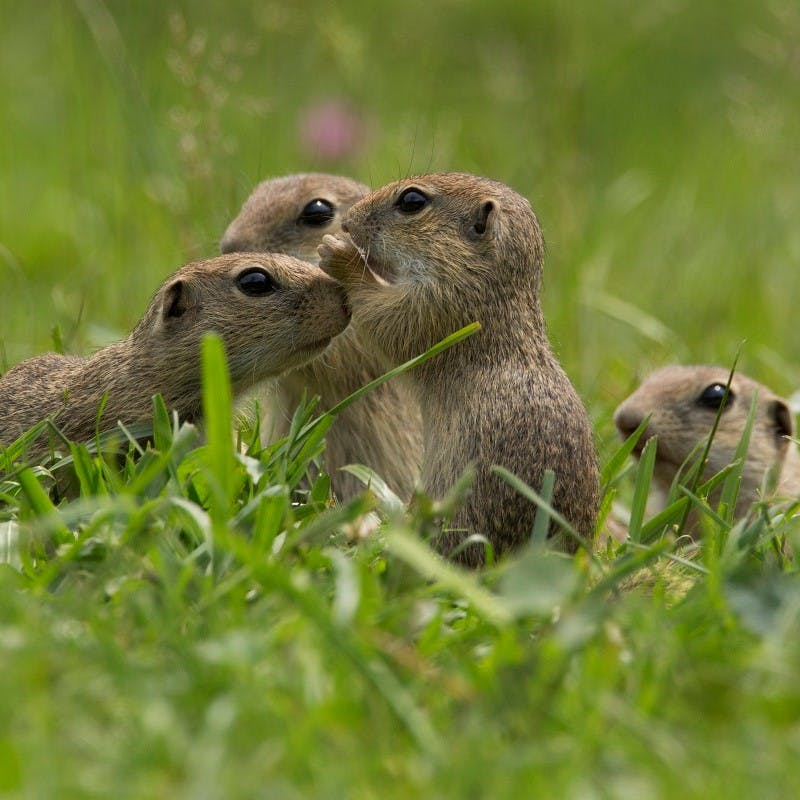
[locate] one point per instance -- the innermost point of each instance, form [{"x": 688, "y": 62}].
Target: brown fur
[
  {"x": 383, "y": 429},
  {"x": 681, "y": 423},
  {"x": 498, "y": 398},
  {"x": 263, "y": 336}
]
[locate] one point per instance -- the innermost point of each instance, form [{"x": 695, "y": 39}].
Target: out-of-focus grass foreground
[{"x": 184, "y": 628}]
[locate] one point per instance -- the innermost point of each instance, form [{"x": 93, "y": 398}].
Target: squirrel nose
[
  {"x": 627, "y": 420},
  {"x": 230, "y": 245},
  {"x": 345, "y": 228}
]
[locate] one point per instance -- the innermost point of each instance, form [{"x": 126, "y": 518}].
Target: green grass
[
  {"x": 185, "y": 627},
  {"x": 196, "y": 622}
]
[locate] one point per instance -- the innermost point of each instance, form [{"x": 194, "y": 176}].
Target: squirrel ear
[
  {"x": 482, "y": 220},
  {"x": 781, "y": 417},
  {"x": 176, "y": 300}
]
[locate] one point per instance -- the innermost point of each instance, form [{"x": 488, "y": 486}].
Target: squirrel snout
[{"x": 627, "y": 420}]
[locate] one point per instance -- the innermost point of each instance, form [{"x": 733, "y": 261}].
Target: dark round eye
[
  {"x": 411, "y": 201},
  {"x": 317, "y": 213},
  {"x": 713, "y": 395},
  {"x": 255, "y": 282}
]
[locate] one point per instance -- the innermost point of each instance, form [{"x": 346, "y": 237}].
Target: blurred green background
[{"x": 657, "y": 141}]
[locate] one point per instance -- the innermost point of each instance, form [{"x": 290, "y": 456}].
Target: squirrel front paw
[{"x": 339, "y": 257}]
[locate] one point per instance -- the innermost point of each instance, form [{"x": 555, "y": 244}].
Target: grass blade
[
  {"x": 40, "y": 503},
  {"x": 641, "y": 491},
  {"x": 390, "y": 502},
  {"x": 439, "y": 347},
  {"x": 615, "y": 463},
  {"x": 532, "y": 495},
  {"x": 217, "y": 409},
  {"x": 733, "y": 482},
  {"x": 704, "y": 460},
  {"x": 417, "y": 554},
  {"x": 541, "y": 524}
]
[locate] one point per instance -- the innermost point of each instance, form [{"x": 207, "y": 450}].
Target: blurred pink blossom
[{"x": 331, "y": 129}]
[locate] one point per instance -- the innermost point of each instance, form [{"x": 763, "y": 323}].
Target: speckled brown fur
[
  {"x": 474, "y": 252},
  {"x": 681, "y": 422},
  {"x": 383, "y": 429},
  {"x": 263, "y": 336}
]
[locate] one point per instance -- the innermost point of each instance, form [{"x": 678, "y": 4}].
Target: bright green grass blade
[
  {"x": 195, "y": 518},
  {"x": 644, "y": 477},
  {"x": 301, "y": 416},
  {"x": 162, "y": 425},
  {"x": 313, "y": 444},
  {"x": 708, "y": 487},
  {"x": 38, "y": 499},
  {"x": 704, "y": 459},
  {"x": 751, "y": 535},
  {"x": 320, "y": 490},
  {"x": 15, "y": 450},
  {"x": 671, "y": 515},
  {"x": 217, "y": 410},
  {"x": 88, "y": 473},
  {"x": 733, "y": 482},
  {"x": 312, "y": 433},
  {"x": 149, "y": 467},
  {"x": 674, "y": 512},
  {"x": 705, "y": 509},
  {"x": 271, "y": 512},
  {"x": 439, "y": 347},
  {"x": 617, "y": 461},
  {"x": 131, "y": 434},
  {"x": 606, "y": 504},
  {"x": 40, "y": 502}
]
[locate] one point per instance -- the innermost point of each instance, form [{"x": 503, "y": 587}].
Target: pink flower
[{"x": 331, "y": 129}]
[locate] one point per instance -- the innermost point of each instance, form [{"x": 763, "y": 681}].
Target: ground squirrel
[
  {"x": 273, "y": 313},
  {"x": 683, "y": 401},
  {"x": 423, "y": 257},
  {"x": 382, "y": 430}
]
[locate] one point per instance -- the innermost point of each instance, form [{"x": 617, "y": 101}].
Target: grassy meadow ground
[{"x": 182, "y": 629}]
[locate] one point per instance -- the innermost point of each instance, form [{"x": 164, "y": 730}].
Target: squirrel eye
[
  {"x": 316, "y": 213},
  {"x": 255, "y": 282},
  {"x": 411, "y": 201},
  {"x": 713, "y": 395}
]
